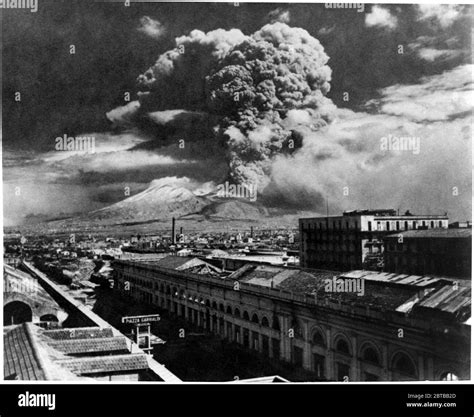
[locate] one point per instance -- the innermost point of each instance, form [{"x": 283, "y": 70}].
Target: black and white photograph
[{"x": 236, "y": 193}]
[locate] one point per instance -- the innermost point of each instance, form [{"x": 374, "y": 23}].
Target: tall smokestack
[
  {"x": 251, "y": 231},
  {"x": 173, "y": 231},
  {"x": 181, "y": 230}
]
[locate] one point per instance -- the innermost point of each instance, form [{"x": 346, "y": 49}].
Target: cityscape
[{"x": 238, "y": 197}]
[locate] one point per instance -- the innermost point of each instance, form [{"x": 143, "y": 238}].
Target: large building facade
[
  {"x": 355, "y": 239},
  {"x": 445, "y": 252},
  {"x": 333, "y": 339}
]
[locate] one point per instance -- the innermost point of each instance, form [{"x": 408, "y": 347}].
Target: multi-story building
[
  {"x": 445, "y": 252},
  {"x": 395, "y": 329},
  {"x": 355, "y": 239}
]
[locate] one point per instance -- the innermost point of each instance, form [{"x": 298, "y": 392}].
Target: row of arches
[
  {"x": 263, "y": 321},
  {"x": 18, "y": 312},
  {"x": 401, "y": 363}
]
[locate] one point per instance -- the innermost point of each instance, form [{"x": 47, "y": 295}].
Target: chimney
[
  {"x": 181, "y": 230},
  {"x": 251, "y": 231},
  {"x": 173, "y": 231}
]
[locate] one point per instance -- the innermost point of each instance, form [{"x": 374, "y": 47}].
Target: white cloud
[
  {"x": 151, "y": 27},
  {"x": 435, "y": 98},
  {"x": 348, "y": 153},
  {"x": 279, "y": 15},
  {"x": 379, "y": 16},
  {"x": 432, "y": 54},
  {"x": 445, "y": 14}
]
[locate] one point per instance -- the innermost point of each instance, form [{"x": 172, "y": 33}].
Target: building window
[
  {"x": 318, "y": 365},
  {"x": 265, "y": 345},
  {"x": 398, "y": 225},
  {"x": 403, "y": 365},
  {"x": 370, "y": 355},
  {"x": 255, "y": 344},
  {"x": 440, "y": 223},
  {"x": 406, "y": 225},
  {"x": 318, "y": 339},
  {"x": 343, "y": 347},
  {"x": 298, "y": 356},
  {"x": 388, "y": 225},
  {"x": 432, "y": 224},
  {"x": 275, "y": 348},
  {"x": 343, "y": 372},
  {"x": 370, "y": 226}
]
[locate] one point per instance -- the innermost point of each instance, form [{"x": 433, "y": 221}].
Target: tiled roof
[
  {"x": 106, "y": 364},
  {"x": 172, "y": 262},
  {"x": 314, "y": 282},
  {"x": 96, "y": 345},
  {"x": 449, "y": 299},
  {"x": 20, "y": 359},
  {"x": 431, "y": 233},
  {"x": 79, "y": 333},
  {"x": 393, "y": 278}
]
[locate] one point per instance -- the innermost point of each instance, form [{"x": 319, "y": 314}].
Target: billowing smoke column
[{"x": 254, "y": 86}]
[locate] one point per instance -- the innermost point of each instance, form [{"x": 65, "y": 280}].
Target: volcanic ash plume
[{"x": 256, "y": 86}]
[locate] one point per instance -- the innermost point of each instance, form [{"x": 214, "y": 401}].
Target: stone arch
[
  {"x": 255, "y": 318},
  {"x": 403, "y": 365},
  {"x": 246, "y": 316},
  {"x": 221, "y": 307},
  {"x": 317, "y": 337},
  {"x": 297, "y": 327},
  {"x": 228, "y": 310},
  {"x": 237, "y": 312},
  {"x": 49, "y": 317},
  {"x": 16, "y": 312},
  {"x": 265, "y": 322},
  {"x": 369, "y": 352},
  {"x": 342, "y": 344},
  {"x": 214, "y": 305}
]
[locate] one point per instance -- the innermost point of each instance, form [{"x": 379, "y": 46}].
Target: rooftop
[
  {"x": 314, "y": 283},
  {"x": 183, "y": 263},
  {"x": 31, "y": 354},
  {"x": 105, "y": 345},
  {"x": 106, "y": 364},
  {"x": 434, "y": 233}
]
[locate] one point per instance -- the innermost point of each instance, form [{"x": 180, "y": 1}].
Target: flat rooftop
[{"x": 434, "y": 233}]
